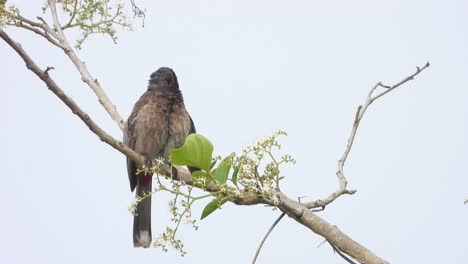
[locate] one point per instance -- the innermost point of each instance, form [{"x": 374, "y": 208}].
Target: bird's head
[{"x": 163, "y": 77}]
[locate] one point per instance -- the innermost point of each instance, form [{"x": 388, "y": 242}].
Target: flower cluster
[
  {"x": 259, "y": 168},
  {"x": 254, "y": 172},
  {"x": 167, "y": 239}
]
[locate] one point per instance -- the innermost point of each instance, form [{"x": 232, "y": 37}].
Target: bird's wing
[
  {"x": 129, "y": 137},
  {"x": 192, "y": 131},
  {"x": 192, "y": 126}
]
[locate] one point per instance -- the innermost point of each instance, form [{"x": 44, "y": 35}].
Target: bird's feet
[
  {"x": 174, "y": 174},
  {"x": 148, "y": 163}
]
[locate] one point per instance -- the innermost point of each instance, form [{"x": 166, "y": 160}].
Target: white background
[{"x": 247, "y": 68}]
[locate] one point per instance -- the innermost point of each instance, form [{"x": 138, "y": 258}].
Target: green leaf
[
  {"x": 222, "y": 172},
  {"x": 199, "y": 174},
  {"x": 196, "y": 151},
  {"x": 213, "y": 205},
  {"x": 234, "y": 175}
]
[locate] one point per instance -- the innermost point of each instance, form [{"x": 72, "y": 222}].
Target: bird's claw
[
  {"x": 174, "y": 173},
  {"x": 148, "y": 163}
]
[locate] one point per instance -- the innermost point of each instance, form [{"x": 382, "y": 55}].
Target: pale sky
[{"x": 247, "y": 68}]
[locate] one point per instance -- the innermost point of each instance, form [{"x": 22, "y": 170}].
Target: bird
[{"x": 158, "y": 123}]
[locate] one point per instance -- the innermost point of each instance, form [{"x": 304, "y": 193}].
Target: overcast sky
[{"x": 247, "y": 68}]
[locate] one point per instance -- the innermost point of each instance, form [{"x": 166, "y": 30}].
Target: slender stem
[
  {"x": 36, "y": 30},
  {"x": 337, "y": 250},
  {"x": 266, "y": 236},
  {"x": 72, "y": 17},
  {"x": 277, "y": 171}
]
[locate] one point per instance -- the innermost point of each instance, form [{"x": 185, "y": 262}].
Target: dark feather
[{"x": 158, "y": 123}]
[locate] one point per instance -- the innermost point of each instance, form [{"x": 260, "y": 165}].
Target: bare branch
[
  {"x": 266, "y": 236},
  {"x": 81, "y": 67},
  {"x": 48, "y": 69},
  {"x": 357, "y": 120},
  {"x": 47, "y": 28},
  {"x": 44, "y": 76},
  {"x": 58, "y": 38},
  {"x": 306, "y": 217},
  {"x": 407, "y": 79},
  {"x": 27, "y": 21},
  {"x": 43, "y": 33},
  {"x": 137, "y": 12},
  {"x": 41, "y": 29}
]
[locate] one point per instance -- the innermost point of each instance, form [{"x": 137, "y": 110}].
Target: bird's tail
[{"x": 142, "y": 219}]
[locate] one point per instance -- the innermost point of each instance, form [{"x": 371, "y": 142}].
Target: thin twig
[
  {"x": 137, "y": 12},
  {"x": 407, "y": 79},
  {"x": 72, "y": 17},
  {"x": 47, "y": 28},
  {"x": 266, "y": 236},
  {"x": 337, "y": 250},
  {"x": 361, "y": 110},
  {"x": 48, "y": 69},
  {"x": 36, "y": 30},
  {"x": 28, "y": 21}
]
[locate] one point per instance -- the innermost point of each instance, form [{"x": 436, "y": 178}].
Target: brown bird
[{"x": 158, "y": 123}]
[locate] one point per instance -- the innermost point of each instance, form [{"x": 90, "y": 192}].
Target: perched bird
[{"x": 158, "y": 123}]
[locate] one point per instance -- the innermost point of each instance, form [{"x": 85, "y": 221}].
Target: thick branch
[
  {"x": 58, "y": 38},
  {"x": 306, "y": 217},
  {"x": 53, "y": 87}
]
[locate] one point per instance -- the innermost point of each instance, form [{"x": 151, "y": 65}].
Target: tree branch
[
  {"x": 340, "y": 173},
  {"x": 53, "y": 87},
  {"x": 36, "y": 30},
  {"x": 306, "y": 217},
  {"x": 361, "y": 110},
  {"x": 81, "y": 67},
  {"x": 72, "y": 17},
  {"x": 58, "y": 38}
]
